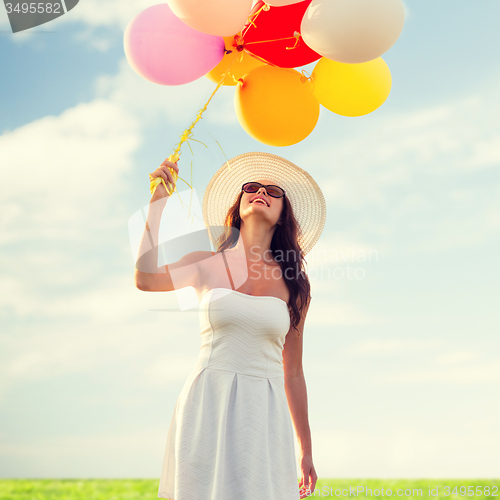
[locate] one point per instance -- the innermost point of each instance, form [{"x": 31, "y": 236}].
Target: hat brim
[{"x": 303, "y": 192}]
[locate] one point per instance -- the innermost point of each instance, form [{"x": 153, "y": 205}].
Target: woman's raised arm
[{"x": 148, "y": 276}]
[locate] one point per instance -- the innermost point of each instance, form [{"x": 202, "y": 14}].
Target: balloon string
[
  {"x": 187, "y": 134},
  {"x": 290, "y": 70},
  {"x": 251, "y": 19},
  {"x": 185, "y": 137},
  {"x": 296, "y": 36},
  {"x": 238, "y": 57}
]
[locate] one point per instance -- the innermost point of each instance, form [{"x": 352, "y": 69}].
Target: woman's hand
[
  {"x": 165, "y": 173},
  {"x": 309, "y": 476}
]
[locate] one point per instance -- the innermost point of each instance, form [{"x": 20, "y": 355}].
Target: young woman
[{"x": 231, "y": 434}]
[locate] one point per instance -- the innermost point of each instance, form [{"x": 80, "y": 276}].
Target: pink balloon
[{"x": 163, "y": 50}]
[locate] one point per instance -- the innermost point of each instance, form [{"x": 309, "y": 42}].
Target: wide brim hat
[{"x": 304, "y": 194}]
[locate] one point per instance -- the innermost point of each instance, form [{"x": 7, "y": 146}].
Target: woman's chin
[{"x": 258, "y": 215}]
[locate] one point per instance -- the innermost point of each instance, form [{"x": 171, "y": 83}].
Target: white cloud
[
  {"x": 393, "y": 345},
  {"x": 339, "y": 248},
  {"x": 325, "y": 312},
  {"x": 133, "y": 453},
  {"x": 91, "y": 13},
  {"x": 65, "y": 179},
  {"x": 456, "y": 357},
  {"x": 406, "y": 180},
  {"x": 91, "y": 39},
  {"x": 437, "y": 362},
  {"x": 54, "y": 165},
  {"x": 484, "y": 372},
  {"x": 178, "y": 104},
  {"x": 64, "y": 182},
  {"x": 446, "y": 140},
  {"x": 131, "y": 332},
  {"x": 94, "y": 13},
  {"x": 168, "y": 368}
]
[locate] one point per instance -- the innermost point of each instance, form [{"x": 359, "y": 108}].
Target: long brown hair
[{"x": 284, "y": 242}]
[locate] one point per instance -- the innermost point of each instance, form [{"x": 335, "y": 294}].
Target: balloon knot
[
  {"x": 239, "y": 48},
  {"x": 228, "y": 51},
  {"x": 266, "y": 7},
  {"x": 296, "y": 34},
  {"x": 304, "y": 78}
]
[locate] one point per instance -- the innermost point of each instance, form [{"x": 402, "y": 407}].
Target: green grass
[
  {"x": 78, "y": 489},
  {"x": 141, "y": 489}
]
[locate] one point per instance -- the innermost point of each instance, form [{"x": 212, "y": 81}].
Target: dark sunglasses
[{"x": 253, "y": 187}]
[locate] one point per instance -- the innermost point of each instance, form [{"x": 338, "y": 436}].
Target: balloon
[
  {"x": 279, "y": 22},
  {"x": 351, "y": 89},
  {"x": 238, "y": 68},
  {"x": 214, "y": 17},
  {"x": 275, "y": 107},
  {"x": 163, "y": 50},
  {"x": 281, "y": 3},
  {"x": 352, "y": 31}
]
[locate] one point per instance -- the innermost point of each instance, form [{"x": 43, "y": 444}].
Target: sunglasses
[{"x": 253, "y": 187}]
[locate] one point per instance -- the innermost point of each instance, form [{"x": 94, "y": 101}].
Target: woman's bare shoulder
[
  {"x": 204, "y": 258},
  {"x": 195, "y": 257}
]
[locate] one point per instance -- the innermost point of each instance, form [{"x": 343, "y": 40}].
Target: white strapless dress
[{"x": 231, "y": 435}]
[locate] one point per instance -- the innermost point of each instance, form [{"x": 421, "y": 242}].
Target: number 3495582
[{"x": 34, "y": 7}]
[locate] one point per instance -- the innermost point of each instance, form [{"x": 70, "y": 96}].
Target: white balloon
[
  {"x": 214, "y": 17},
  {"x": 352, "y": 31}
]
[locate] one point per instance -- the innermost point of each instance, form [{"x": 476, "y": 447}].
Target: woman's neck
[{"x": 256, "y": 240}]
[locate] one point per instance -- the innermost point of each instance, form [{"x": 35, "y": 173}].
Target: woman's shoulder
[
  {"x": 205, "y": 258},
  {"x": 197, "y": 256}
]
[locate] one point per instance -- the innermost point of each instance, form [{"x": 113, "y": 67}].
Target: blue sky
[{"x": 402, "y": 366}]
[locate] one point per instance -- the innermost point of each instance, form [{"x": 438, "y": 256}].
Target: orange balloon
[
  {"x": 276, "y": 106},
  {"x": 241, "y": 63}
]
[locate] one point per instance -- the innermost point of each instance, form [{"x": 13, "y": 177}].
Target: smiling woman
[{"x": 231, "y": 432}]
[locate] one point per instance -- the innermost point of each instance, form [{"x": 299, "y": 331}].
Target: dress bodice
[{"x": 243, "y": 333}]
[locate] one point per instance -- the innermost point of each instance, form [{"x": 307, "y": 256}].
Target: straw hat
[{"x": 304, "y": 194}]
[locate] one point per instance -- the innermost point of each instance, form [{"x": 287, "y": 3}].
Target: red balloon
[{"x": 279, "y": 22}]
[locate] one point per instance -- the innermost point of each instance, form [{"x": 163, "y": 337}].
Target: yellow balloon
[
  {"x": 351, "y": 89},
  {"x": 243, "y": 64},
  {"x": 276, "y": 106}
]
